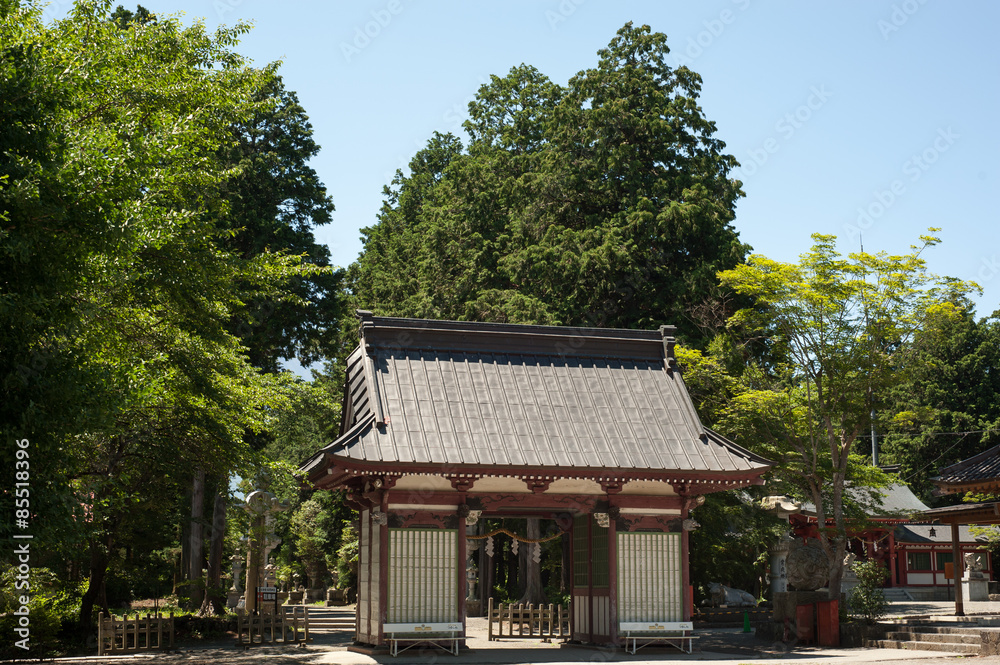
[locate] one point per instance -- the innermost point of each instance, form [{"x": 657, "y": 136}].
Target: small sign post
[{"x": 267, "y": 594}]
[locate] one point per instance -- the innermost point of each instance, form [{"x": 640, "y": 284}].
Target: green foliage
[
  {"x": 867, "y": 601},
  {"x": 52, "y": 609},
  {"x": 948, "y": 407},
  {"x": 606, "y": 202},
  {"x": 126, "y": 304},
  {"x": 275, "y": 200},
  {"x": 843, "y": 327},
  {"x": 347, "y": 558},
  {"x": 735, "y": 530}
]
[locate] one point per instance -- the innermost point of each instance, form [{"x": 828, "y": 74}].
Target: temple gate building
[{"x": 445, "y": 422}]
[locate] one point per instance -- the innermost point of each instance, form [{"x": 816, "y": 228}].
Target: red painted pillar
[
  {"x": 956, "y": 570},
  {"x": 893, "y": 554},
  {"x": 462, "y": 553},
  {"x": 612, "y": 580},
  {"x": 590, "y": 577},
  {"x": 685, "y": 561},
  {"x": 357, "y": 596},
  {"x": 382, "y": 541}
]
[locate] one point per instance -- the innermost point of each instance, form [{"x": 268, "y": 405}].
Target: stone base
[
  {"x": 473, "y": 608},
  {"x": 975, "y": 589},
  {"x": 785, "y": 603},
  {"x": 233, "y": 599}
]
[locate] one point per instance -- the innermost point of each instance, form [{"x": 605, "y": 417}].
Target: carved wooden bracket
[
  {"x": 462, "y": 483},
  {"x": 611, "y": 486},
  {"x": 537, "y": 485}
]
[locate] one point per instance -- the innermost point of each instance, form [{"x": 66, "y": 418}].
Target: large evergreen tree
[{"x": 606, "y": 202}]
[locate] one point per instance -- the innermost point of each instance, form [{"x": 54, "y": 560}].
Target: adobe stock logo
[
  {"x": 713, "y": 30},
  {"x": 785, "y": 127},
  {"x": 901, "y": 13},
  {"x": 363, "y": 35},
  {"x": 914, "y": 169}
]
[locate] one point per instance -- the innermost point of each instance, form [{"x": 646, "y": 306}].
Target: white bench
[
  {"x": 677, "y": 633},
  {"x": 442, "y": 635}
]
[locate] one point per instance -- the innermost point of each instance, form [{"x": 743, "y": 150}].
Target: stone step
[
  {"x": 972, "y": 625},
  {"x": 941, "y": 638},
  {"x": 896, "y": 595},
  {"x": 970, "y": 649},
  {"x": 329, "y": 619}
]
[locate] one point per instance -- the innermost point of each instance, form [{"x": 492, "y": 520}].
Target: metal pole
[{"x": 874, "y": 441}]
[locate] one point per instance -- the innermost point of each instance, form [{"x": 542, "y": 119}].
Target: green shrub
[
  {"x": 51, "y": 616},
  {"x": 347, "y": 558},
  {"x": 867, "y": 601}
]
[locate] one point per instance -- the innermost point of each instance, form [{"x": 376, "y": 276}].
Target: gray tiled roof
[
  {"x": 431, "y": 392},
  {"x": 898, "y": 500},
  {"x": 982, "y": 469},
  {"x": 921, "y": 533}
]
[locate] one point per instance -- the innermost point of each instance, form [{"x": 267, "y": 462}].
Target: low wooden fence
[
  {"x": 541, "y": 622},
  {"x": 136, "y": 634},
  {"x": 289, "y": 625}
]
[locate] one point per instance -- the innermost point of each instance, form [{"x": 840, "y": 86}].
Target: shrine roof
[
  {"x": 457, "y": 395},
  {"x": 897, "y": 502},
  {"x": 921, "y": 533},
  {"x": 978, "y": 473}
]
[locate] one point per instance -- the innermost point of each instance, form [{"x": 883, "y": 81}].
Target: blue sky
[{"x": 877, "y": 118}]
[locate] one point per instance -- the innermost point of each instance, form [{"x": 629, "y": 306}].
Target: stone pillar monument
[
  {"x": 235, "y": 591},
  {"x": 782, "y": 507},
  {"x": 975, "y": 586},
  {"x": 260, "y": 505},
  {"x": 779, "y": 570}
]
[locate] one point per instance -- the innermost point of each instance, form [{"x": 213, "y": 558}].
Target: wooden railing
[
  {"x": 137, "y": 634},
  {"x": 289, "y": 625},
  {"x": 541, "y": 622}
]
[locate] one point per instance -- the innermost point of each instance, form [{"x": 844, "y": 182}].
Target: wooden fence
[
  {"x": 137, "y": 634},
  {"x": 289, "y": 625},
  {"x": 541, "y": 622}
]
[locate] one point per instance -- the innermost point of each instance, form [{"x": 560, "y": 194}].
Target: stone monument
[
  {"x": 778, "y": 573},
  {"x": 808, "y": 571},
  {"x": 783, "y": 507},
  {"x": 849, "y": 580},
  {"x": 235, "y": 591},
  {"x": 975, "y": 586}
]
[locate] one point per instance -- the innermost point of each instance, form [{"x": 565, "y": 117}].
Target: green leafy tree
[
  {"x": 948, "y": 408},
  {"x": 845, "y": 325},
  {"x": 119, "y": 280},
  {"x": 606, "y": 202},
  {"x": 736, "y": 531}
]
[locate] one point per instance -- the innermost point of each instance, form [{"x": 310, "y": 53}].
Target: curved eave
[
  {"x": 329, "y": 468},
  {"x": 321, "y": 462},
  {"x": 756, "y": 461}
]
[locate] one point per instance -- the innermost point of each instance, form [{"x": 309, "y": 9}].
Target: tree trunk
[
  {"x": 214, "y": 601},
  {"x": 531, "y": 569},
  {"x": 95, "y": 590},
  {"x": 197, "y": 540},
  {"x": 839, "y": 548}
]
